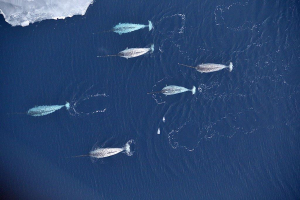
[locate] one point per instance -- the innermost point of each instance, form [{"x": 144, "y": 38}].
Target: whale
[
  {"x": 128, "y": 27},
  {"x": 107, "y": 152},
  {"x": 210, "y": 67},
  {"x": 46, "y": 110},
  {"x": 132, "y": 52},
  {"x": 174, "y": 89}
]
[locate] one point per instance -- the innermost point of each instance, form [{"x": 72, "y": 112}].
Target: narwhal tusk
[{"x": 186, "y": 65}]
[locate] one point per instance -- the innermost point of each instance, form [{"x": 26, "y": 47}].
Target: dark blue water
[{"x": 236, "y": 138}]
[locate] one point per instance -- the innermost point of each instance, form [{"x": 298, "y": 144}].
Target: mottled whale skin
[
  {"x": 107, "y": 152},
  {"x": 210, "y": 67},
  {"x": 132, "y": 52},
  {"x": 174, "y": 89},
  {"x": 45, "y": 110},
  {"x": 128, "y": 27},
  {"x": 135, "y": 52}
]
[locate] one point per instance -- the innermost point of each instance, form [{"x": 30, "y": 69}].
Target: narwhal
[
  {"x": 107, "y": 152},
  {"x": 132, "y": 52},
  {"x": 173, "y": 89},
  {"x": 210, "y": 67},
  {"x": 45, "y": 110},
  {"x": 128, "y": 27}
]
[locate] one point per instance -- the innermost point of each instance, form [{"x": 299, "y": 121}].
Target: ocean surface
[{"x": 236, "y": 138}]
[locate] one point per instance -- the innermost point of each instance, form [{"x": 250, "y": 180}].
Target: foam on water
[{"x": 77, "y": 102}]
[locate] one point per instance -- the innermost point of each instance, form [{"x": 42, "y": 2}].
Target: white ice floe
[{"x": 24, "y": 12}]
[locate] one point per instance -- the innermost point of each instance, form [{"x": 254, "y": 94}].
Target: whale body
[
  {"x": 45, "y": 110},
  {"x": 135, "y": 52},
  {"x": 128, "y": 27},
  {"x": 174, "y": 89},
  {"x": 107, "y": 152},
  {"x": 210, "y": 67},
  {"x": 132, "y": 52}
]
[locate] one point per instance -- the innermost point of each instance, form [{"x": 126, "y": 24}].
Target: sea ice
[{"x": 24, "y": 12}]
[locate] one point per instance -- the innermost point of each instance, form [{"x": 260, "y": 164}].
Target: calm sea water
[{"x": 236, "y": 138}]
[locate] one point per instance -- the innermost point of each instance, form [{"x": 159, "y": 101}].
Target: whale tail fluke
[
  {"x": 186, "y": 65},
  {"x": 127, "y": 149},
  {"x": 193, "y": 90},
  {"x": 152, "y": 48},
  {"x": 230, "y": 66},
  {"x": 67, "y": 105},
  {"x": 150, "y": 25}
]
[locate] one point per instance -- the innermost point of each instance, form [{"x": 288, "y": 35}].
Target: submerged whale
[
  {"x": 173, "y": 89},
  {"x": 45, "y": 110},
  {"x": 128, "y": 27},
  {"x": 132, "y": 52},
  {"x": 107, "y": 152},
  {"x": 210, "y": 67}
]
